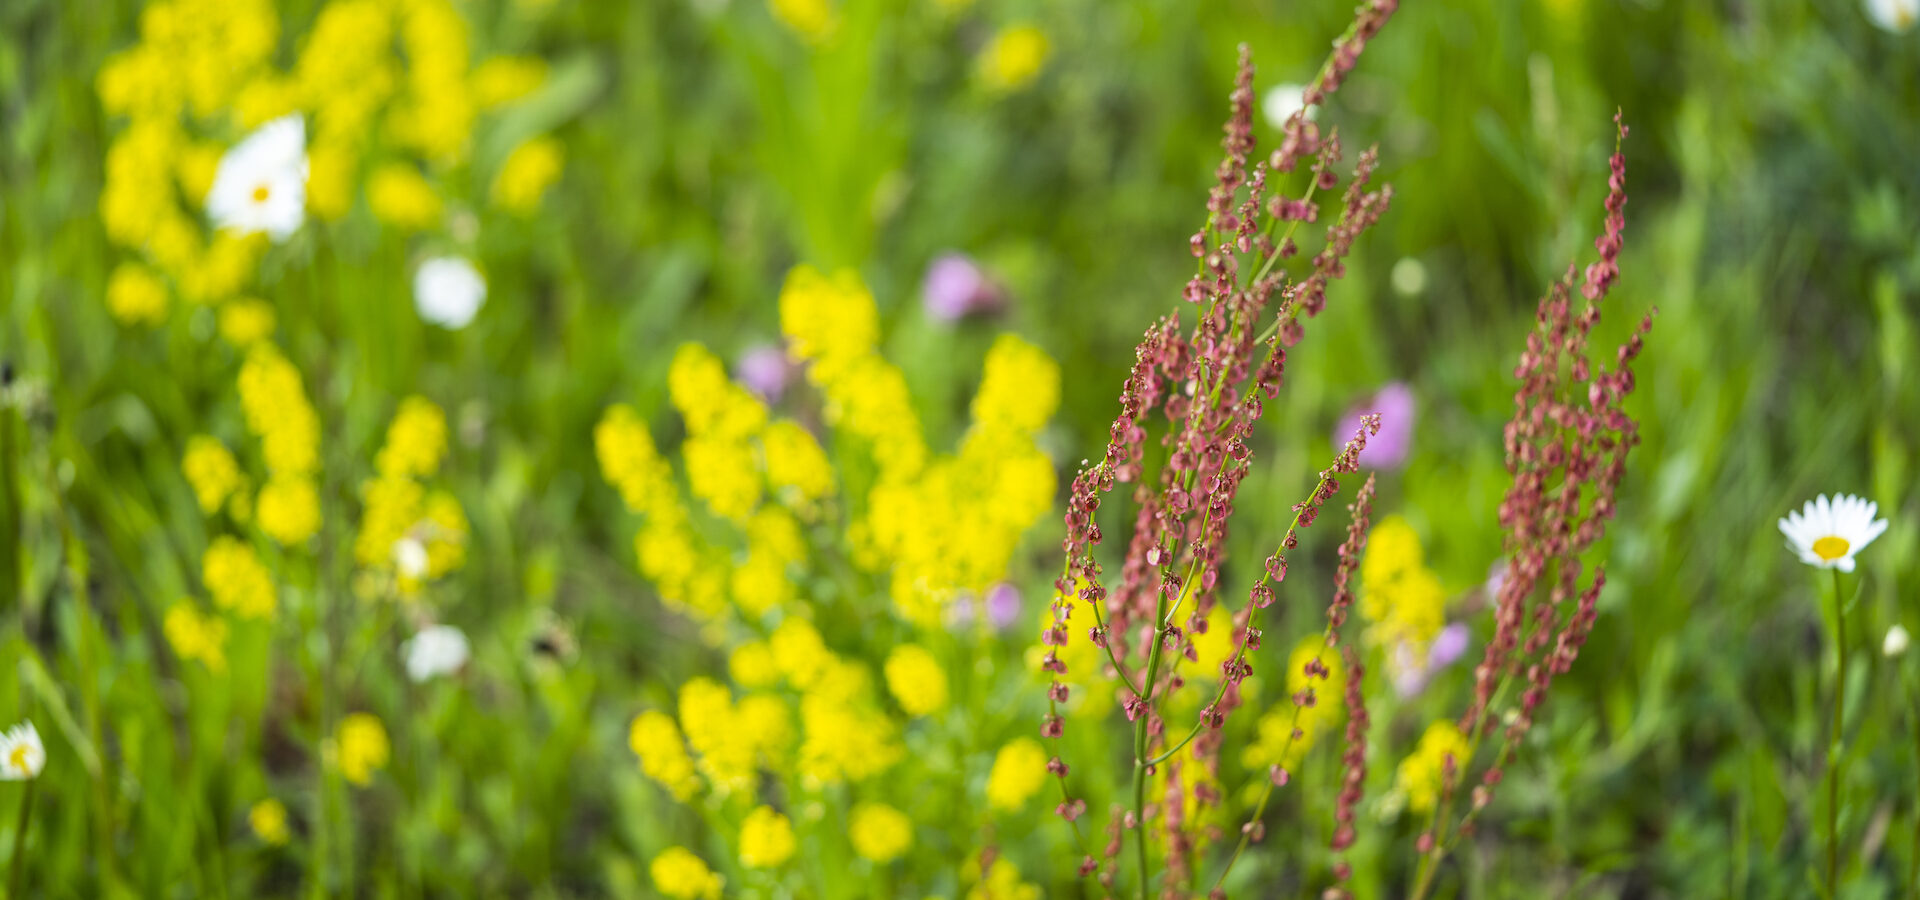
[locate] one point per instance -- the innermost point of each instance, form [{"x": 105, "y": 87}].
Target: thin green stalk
[
  {"x": 1836, "y": 743},
  {"x": 18, "y": 868}
]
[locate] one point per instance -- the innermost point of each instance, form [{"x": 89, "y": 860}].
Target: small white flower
[
  {"x": 410, "y": 557},
  {"x": 261, "y": 184},
  {"x": 1827, "y": 534},
  {"x": 22, "y": 756},
  {"x": 1282, "y": 101},
  {"x": 1896, "y": 642},
  {"x": 1894, "y": 15},
  {"x": 436, "y": 650},
  {"x": 448, "y": 291}
]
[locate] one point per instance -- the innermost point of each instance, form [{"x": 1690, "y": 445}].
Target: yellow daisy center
[
  {"x": 1830, "y": 548},
  {"x": 18, "y": 758},
  {"x": 260, "y": 194}
]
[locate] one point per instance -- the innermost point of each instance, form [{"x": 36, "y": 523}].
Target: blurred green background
[{"x": 1775, "y": 200}]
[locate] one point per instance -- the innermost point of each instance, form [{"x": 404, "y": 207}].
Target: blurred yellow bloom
[
  {"x": 1401, "y": 598},
  {"x": 707, "y": 716},
  {"x": 416, "y": 441},
  {"x": 663, "y": 756},
  {"x": 288, "y": 509},
  {"x": 1014, "y": 58},
  {"x": 211, "y": 470},
  {"x": 1019, "y": 772},
  {"x": 1002, "y": 882},
  {"x": 879, "y": 832},
  {"x": 136, "y": 296},
  {"x": 268, "y": 818},
  {"x": 766, "y": 839},
  {"x": 360, "y": 748},
  {"x": 752, "y": 665},
  {"x": 245, "y": 322},
  {"x": 916, "y": 680},
  {"x": 196, "y": 637},
  {"x": 236, "y": 579},
  {"x": 400, "y": 196},
  {"x": 526, "y": 174},
  {"x": 679, "y": 874},
  {"x": 810, "y": 19},
  {"x": 797, "y": 467},
  {"x": 767, "y": 725},
  {"x": 1215, "y": 645},
  {"x": 1421, "y": 774},
  {"x": 504, "y": 79},
  {"x": 330, "y": 171},
  {"x": 1276, "y": 744},
  {"x": 276, "y": 408}
]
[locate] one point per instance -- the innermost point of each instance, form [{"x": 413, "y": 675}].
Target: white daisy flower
[
  {"x": 1827, "y": 534},
  {"x": 1896, "y": 642},
  {"x": 1282, "y": 101},
  {"x": 448, "y": 291},
  {"x": 22, "y": 756},
  {"x": 436, "y": 650},
  {"x": 1894, "y": 15},
  {"x": 261, "y": 184}
]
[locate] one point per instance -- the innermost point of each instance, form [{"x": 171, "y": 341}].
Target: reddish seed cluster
[
  {"x": 1209, "y": 384},
  {"x": 1566, "y": 445}
]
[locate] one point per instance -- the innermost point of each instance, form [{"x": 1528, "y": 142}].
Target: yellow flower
[
  {"x": 360, "y": 748},
  {"x": 400, "y": 196},
  {"x": 1002, "y": 883},
  {"x": 1421, "y": 774},
  {"x": 246, "y": 322},
  {"x": 1019, "y": 388},
  {"x": 797, "y": 467},
  {"x": 810, "y": 19},
  {"x": 765, "y": 723},
  {"x": 136, "y": 296},
  {"x": 330, "y": 171},
  {"x": 766, "y": 839},
  {"x": 416, "y": 441},
  {"x": 1014, "y": 58},
  {"x": 237, "y": 580},
  {"x": 277, "y": 411},
  {"x": 268, "y": 819},
  {"x": 880, "y": 832},
  {"x": 526, "y": 174},
  {"x": 663, "y": 756},
  {"x": 681, "y": 875},
  {"x": 196, "y": 637},
  {"x": 211, "y": 470},
  {"x": 1019, "y": 771},
  {"x": 1399, "y": 595},
  {"x": 1216, "y": 645},
  {"x": 760, "y": 584},
  {"x": 504, "y": 79},
  {"x": 916, "y": 680},
  {"x": 707, "y": 715},
  {"x": 752, "y": 665},
  {"x": 288, "y": 508}
]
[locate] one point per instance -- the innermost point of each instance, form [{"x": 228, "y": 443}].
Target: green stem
[
  {"x": 1836, "y": 743},
  {"x": 18, "y": 868}
]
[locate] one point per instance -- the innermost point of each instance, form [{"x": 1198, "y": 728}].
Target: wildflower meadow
[{"x": 977, "y": 449}]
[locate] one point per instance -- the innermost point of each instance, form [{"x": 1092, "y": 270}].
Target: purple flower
[
  {"x": 765, "y": 370},
  {"x": 956, "y": 287},
  {"x": 1410, "y": 675},
  {"x": 1003, "y": 604},
  {"x": 1389, "y": 448}
]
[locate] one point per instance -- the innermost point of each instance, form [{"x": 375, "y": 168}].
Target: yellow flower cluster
[
  {"x": 409, "y": 532},
  {"x": 1014, "y": 58},
  {"x": 916, "y": 680},
  {"x": 679, "y": 874},
  {"x": 371, "y": 77},
  {"x": 733, "y": 741},
  {"x": 811, "y": 19},
  {"x": 833, "y": 323},
  {"x": 359, "y": 748},
  {"x": 1421, "y": 775},
  {"x": 212, "y": 472},
  {"x": 879, "y": 832},
  {"x": 663, "y": 756},
  {"x": 526, "y": 174},
  {"x": 766, "y": 839},
  {"x": 246, "y": 321},
  {"x": 196, "y": 637},
  {"x": 1019, "y": 772},
  {"x": 277, "y": 411},
  {"x": 238, "y": 581},
  {"x": 671, "y": 557},
  {"x": 1401, "y": 598},
  {"x": 956, "y": 526},
  {"x": 1275, "y": 744},
  {"x": 268, "y": 819},
  {"x": 722, "y": 419},
  {"x": 136, "y": 296}
]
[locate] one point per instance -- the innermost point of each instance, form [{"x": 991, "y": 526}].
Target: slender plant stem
[
  {"x": 1836, "y": 743},
  {"x": 18, "y": 868}
]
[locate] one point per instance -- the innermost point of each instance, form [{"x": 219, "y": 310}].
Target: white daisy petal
[
  {"x": 261, "y": 183},
  {"x": 22, "y": 756},
  {"x": 448, "y": 291}
]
